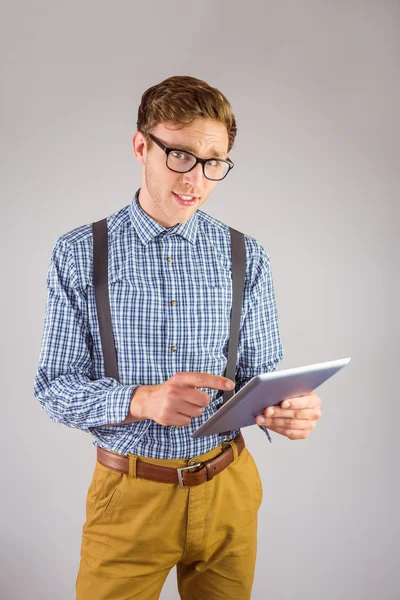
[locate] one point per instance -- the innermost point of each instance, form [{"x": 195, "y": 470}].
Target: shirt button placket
[
  {"x": 172, "y": 286},
  {"x": 173, "y": 348}
]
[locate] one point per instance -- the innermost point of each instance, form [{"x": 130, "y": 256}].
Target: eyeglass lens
[{"x": 182, "y": 162}]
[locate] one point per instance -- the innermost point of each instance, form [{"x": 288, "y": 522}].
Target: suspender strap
[
  {"x": 238, "y": 250},
  {"x": 100, "y": 281}
]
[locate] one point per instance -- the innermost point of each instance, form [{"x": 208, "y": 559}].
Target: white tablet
[{"x": 268, "y": 389}]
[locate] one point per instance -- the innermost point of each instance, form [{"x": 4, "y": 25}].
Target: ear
[{"x": 139, "y": 146}]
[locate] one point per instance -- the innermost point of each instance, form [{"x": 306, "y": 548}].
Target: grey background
[{"x": 315, "y": 89}]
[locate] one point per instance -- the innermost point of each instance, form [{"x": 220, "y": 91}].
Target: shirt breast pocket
[
  {"x": 212, "y": 304},
  {"x": 213, "y": 272}
]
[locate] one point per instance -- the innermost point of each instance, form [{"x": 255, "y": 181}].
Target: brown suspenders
[{"x": 100, "y": 282}]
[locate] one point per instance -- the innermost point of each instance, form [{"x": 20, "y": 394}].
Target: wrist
[{"x": 138, "y": 401}]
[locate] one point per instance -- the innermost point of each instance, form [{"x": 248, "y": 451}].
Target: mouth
[{"x": 185, "y": 199}]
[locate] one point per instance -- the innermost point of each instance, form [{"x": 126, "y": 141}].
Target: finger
[
  {"x": 191, "y": 409},
  {"x": 289, "y": 423},
  {"x": 204, "y": 380},
  {"x": 308, "y": 401},
  {"x": 187, "y": 411},
  {"x": 288, "y": 413},
  {"x": 195, "y": 397},
  {"x": 181, "y": 420},
  {"x": 292, "y": 434}
]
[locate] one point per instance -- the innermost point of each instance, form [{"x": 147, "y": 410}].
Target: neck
[{"x": 153, "y": 210}]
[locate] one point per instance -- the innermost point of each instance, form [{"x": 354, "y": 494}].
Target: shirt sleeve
[
  {"x": 65, "y": 383},
  {"x": 260, "y": 348}
]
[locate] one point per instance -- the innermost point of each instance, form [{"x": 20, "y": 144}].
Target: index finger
[{"x": 206, "y": 380}]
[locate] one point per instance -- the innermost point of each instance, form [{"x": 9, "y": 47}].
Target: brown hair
[{"x": 180, "y": 100}]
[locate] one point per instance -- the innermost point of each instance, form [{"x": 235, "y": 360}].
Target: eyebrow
[{"x": 214, "y": 153}]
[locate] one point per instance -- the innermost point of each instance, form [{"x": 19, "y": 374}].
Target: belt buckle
[{"x": 180, "y": 476}]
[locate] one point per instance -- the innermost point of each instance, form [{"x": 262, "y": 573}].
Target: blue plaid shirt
[{"x": 170, "y": 298}]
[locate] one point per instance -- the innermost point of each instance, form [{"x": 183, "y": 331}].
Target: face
[{"x": 206, "y": 138}]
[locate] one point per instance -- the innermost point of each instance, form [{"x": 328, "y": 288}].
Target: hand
[
  {"x": 177, "y": 400},
  {"x": 294, "y": 418}
]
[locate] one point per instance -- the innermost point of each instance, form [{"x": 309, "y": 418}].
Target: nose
[{"x": 194, "y": 177}]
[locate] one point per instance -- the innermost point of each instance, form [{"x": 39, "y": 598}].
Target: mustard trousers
[{"x": 137, "y": 530}]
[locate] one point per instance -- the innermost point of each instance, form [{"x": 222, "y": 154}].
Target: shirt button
[
  {"x": 170, "y": 259},
  {"x": 174, "y": 302},
  {"x": 174, "y": 348}
]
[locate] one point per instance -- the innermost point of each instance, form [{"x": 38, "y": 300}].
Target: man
[{"x": 170, "y": 294}]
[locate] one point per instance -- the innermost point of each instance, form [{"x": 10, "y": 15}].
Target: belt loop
[
  {"x": 232, "y": 444},
  {"x": 132, "y": 465}
]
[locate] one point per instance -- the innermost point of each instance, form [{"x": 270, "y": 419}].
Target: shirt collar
[{"x": 147, "y": 228}]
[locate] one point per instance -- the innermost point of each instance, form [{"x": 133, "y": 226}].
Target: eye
[
  {"x": 180, "y": 155},
  {"x": 212, "y": 163}
]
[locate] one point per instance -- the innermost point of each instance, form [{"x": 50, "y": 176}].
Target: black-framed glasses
[{"x": 182, "y": 161}]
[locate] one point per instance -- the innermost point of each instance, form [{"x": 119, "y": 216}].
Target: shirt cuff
[
  {"x": 266, "y": 431},
  {"x": 118, "y": 401}
]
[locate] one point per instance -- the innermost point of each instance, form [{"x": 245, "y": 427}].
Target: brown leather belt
[{"x": 206, "y": 470}]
